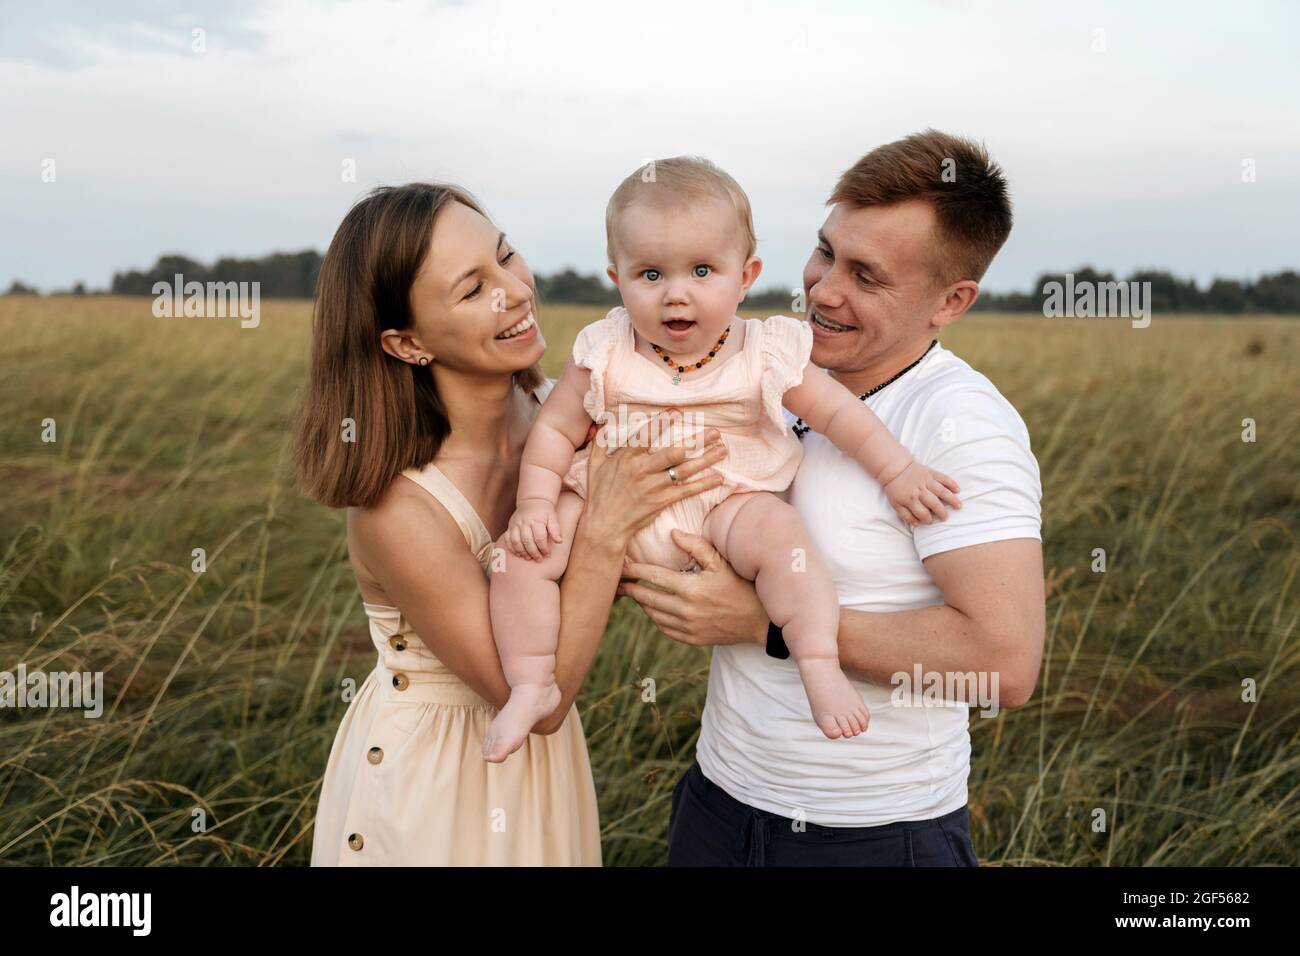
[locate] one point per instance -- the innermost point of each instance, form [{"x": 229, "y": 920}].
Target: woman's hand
[
  {"x": 628, "y": 486},
  {"x": 712, "y": 606}
]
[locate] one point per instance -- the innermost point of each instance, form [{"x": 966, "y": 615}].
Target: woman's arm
[
  {"x": 415, "y": 552},
  {"x": 417, "y": 555}
]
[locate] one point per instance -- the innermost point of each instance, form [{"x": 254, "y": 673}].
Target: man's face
[{"x": 869, "y": 285}]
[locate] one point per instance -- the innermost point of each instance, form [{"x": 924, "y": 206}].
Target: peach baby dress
[
  {"x": 406, "y": 783},
  {"x": 741, "y": 396}
]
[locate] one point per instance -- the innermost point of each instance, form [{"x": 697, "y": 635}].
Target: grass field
[{"x": 221, "y": 688}]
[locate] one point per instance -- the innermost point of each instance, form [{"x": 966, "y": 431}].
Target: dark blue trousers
[{"x": 709, "y": 827}]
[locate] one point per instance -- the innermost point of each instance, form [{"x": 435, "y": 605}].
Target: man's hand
[{"x": 713, "y": 606}]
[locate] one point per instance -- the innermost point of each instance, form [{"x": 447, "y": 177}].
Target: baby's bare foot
[
  {"x": 835, "y": 704},
  {"x": 528, "y": 704}
]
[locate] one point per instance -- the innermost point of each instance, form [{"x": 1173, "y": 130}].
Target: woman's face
[{"x": 473, "y": 298}]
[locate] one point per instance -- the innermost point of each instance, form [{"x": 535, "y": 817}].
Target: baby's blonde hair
[{"x": 674, "y": 181}]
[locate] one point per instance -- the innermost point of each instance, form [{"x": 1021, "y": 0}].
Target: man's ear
[
  {"x": 957, "y": 298},
  {"x": 750, "y": 273},
  {"x": 613, "y": 275}
]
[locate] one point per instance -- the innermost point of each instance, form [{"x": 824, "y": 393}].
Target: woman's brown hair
[{"x": 365, "y": 415}]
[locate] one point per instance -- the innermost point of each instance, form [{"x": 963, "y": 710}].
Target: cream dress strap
[{"x": 432, "y": 480}]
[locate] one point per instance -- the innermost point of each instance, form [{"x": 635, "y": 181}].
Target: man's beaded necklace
[{"x": 800, "y": 429}]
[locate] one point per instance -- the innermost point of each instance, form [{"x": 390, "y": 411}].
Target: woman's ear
[{"x": 402, "y": 346}]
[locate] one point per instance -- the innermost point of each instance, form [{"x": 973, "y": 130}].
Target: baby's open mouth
[{"x": 679, "y": 325}]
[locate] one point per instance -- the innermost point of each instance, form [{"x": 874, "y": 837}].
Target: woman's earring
[{"x": 424, "y": 360}]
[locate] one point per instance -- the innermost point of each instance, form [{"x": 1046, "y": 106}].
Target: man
[{"x": 912, "y": 228}]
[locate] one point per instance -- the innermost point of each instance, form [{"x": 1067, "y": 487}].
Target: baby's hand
[
  {"x": 919, "y": 493},
  {"x": 531, "y": 526}
]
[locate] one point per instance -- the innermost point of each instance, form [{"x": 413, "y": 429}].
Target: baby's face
[{"x": 681, "y": 272}]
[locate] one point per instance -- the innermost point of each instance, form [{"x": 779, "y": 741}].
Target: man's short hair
[{"x": 966, "y": 190}]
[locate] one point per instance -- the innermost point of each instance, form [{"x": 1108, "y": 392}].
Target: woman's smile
[{"x": 524, "y": 330}]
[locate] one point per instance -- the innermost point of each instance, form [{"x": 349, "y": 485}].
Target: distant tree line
[
  {"x": 1277, "y": 293},
  {"x": 292, "y": 275},
  {"x": 283, "y": 275}
]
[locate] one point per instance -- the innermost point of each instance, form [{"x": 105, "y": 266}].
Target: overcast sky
[{"x": 1123, "y": 131}]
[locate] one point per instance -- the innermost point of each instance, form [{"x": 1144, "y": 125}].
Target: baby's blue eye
[
  {"x": 651, "y": 274},
  {"x": 702, "y": 272}
]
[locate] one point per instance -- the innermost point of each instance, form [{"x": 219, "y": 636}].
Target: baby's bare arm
[
  {"x": 560, "y": 427},
  {"x": 832, "y": 410}
]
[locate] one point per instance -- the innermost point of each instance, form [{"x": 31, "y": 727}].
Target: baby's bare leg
[
  {"x": 524, "y": 598},
  {"x": 764, "y": 540}
]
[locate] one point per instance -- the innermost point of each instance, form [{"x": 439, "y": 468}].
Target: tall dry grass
[{"x": 222, "y": 688}]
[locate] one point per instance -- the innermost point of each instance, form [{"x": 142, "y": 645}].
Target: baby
[{"x": 681, "y": 246}]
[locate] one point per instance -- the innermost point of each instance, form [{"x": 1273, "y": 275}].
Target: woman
[{"x": 422, "y": 387}]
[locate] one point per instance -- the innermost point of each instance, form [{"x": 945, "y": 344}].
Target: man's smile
[{"x": 824, "y": 325}]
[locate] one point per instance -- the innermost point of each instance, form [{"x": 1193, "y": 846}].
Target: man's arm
[
  {"x": 986, "y": 562},
  {"x": 992, "y": 619}
]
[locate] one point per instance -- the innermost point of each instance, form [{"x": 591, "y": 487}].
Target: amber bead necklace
[{"x": 682, "y": 369}]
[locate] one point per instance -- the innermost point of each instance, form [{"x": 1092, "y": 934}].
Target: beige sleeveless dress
[{"x": 406, "y": 783}]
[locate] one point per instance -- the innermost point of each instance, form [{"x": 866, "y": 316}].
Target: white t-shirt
[{"x": 758, "y": 741}]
